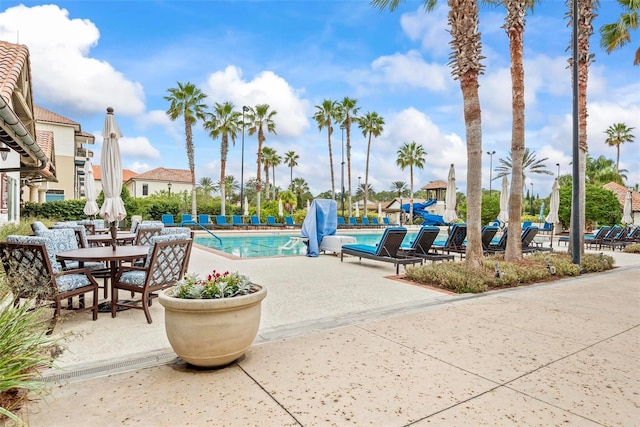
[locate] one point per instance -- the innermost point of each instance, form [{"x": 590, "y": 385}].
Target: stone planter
[{"x": 211, "y": 332}]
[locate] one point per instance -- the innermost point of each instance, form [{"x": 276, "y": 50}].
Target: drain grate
[{"x": 110, "y": 368}]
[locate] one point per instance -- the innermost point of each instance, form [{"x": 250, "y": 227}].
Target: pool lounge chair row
[
  {"x": 609, "y": 237},
  {"x": 364, "y": 222},
  {"x": 237, "y": 222}
]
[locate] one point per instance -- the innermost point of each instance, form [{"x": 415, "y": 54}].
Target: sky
[{"x": 90, "y": 55}]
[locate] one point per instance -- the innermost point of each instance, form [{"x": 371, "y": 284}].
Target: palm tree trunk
[
  {"x": 258, "y": 176},
  {"x": 513, "y": 250},
  {"x": 349, "y": 162},
  {"x": 411, "y": 202},
  {"x": 223, "y": 187},
  {"x": 192, "y": 167},
  {"x": 366, "y": 178},
  {"x": 333, "y": 185}
]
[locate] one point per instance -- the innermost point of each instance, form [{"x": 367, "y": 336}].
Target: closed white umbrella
[
  {"x": 626, "y": 211},
  {"x": 380, "y": 211},
  {"x": 450, "y": 214},
  {"x": 246, "y": 207},
  {"x": 357, "y": 210},
  {"x": 554, "y": 205},
  {"x": 112, "y": 209},
  {"x": 280, "y": 210},
  {"x": 91, "y": 207},
  {"x": 503, "y": 216}
]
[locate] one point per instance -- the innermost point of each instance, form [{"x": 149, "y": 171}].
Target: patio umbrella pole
[{"x": 114, "y": 234}]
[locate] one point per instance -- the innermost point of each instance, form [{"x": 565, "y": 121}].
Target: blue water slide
[{"x": 421, "y": 210}]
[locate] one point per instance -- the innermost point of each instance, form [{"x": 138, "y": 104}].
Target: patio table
[
  {"x": 106, "y": 254},
  {"x": 121, "y": 238}
]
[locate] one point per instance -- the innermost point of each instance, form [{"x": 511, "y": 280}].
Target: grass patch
[{"x": 498, "y": 274}]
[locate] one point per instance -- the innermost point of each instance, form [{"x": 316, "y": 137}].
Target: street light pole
[
  {"x": 244, "y": 109},
  {"x": 532, "y": 212},
  {"x": 490, "y": 153}
]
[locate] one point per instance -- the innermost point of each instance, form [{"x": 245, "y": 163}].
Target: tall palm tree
[
  {"x": 187, "y": 102},
  {"x": 349, "y": 110},
  {"x": 466, "y": 67},
  {"x": 291, "y": 160},
  {"x": 206, "y": 186},
  {"x": 267, "y": 153},
  {"x": 371, "y": 125},
  {"x": 260, "y": 119},
  {"x": 530, "y": 164},
  {"x": 224, "y": 123},
  {"x": 300, "y": 187},
  {"x": 617, "y": 134},
  {"x": 231, "y": 187},
  {"x": 411, "y": 155},
  {"x": 276, "y": 160},
  {"x": 602, "y": 170},
  {"x": 327, "y": 113},
  {"x": 616, "y": 35}
]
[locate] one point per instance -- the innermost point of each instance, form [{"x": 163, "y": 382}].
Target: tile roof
[
  {"x": 46, "y": 143},
  {"x": 44, "y": 115},
  {"x": 165, "y": 174},
  {"x": 13, "y": 58},
  {"x": 621, "y": 192},
  {"x": 436, "y": 185},
  {"x": 126, "y": 173}
]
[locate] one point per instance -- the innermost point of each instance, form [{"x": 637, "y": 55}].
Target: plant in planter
[{"x": 211, "y": 322}]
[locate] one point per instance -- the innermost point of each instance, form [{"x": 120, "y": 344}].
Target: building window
[
  {"x": 54, "y": 195},
  {"x": 145, "y": 189}
]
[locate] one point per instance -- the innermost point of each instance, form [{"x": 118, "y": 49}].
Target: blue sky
[{"x": 88, "y": 55}]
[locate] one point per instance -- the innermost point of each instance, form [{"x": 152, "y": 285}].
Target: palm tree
[
  {"x": 231, "y": 186},
  {"x": 327, "y": 113},
  {"x": 530, "y": 164},
  {"x": 267, "y": 157},
  {"x": 300, "y": 187},
  {"x": 399, "y": 187},
  {"x": 206, "y": 186},
  {"x": 260, "y": 119},
  {"x": 349, "y": 112},
  {"x": 224, "y": 123},
  {"x": 412, "y": 155},
  {"x": 616, "y": 35},
  {"x": 466, "y": 66},
  {"x": 371, "y": 125},
  {"x": 291, "y": 160},
  {"x": 187, "y": 102},
  {"x": 602, "y": 170},
  {"x": 617, "y": 134}
]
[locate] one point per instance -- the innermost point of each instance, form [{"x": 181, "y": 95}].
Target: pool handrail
[{"x": 196, "y": 224}]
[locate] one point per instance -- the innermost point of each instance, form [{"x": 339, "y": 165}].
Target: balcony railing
[{"x": 84, "y": 153}]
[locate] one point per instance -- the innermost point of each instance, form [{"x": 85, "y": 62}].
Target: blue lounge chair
[
  {"x": 205, "y": 221},
  {"x": 376, "y": 223},
  {"x": 255, "y": 221},
  {"x": 271, "y": 222},
  {"x": 221, "y": 222},
  {"x": 341, "y": 222},
  {"x": 454, "y": 242},
  {"x": 168, "y": 221},
  {"x": 528, "y": 234},
  {"x": 589, "y": 239},
  {"x": 289, "y": 222},
  {"x": 238, "y": 222},
  {"x": 422, "y": 245},
  {"x": 387, "y": 250},
  {"x": 366, "y": 223},
  {"x": 187, "y": 220},
  {"x": 353, "y": 222},
  {"x": 498, "y": 244},
  {"x": 615, "y": 237},
  {"x": 488, "y": 233}
]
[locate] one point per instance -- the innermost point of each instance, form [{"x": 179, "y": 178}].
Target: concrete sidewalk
[{"x": 563, "y": 353}]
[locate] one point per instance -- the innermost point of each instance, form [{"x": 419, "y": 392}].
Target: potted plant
[{"x": 211, "y": 322}]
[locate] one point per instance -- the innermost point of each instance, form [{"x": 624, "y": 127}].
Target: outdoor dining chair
[
  {"x": 165, "y": 265},
  {"x": 31, "y": 275}
]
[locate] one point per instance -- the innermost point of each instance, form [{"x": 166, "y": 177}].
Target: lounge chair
[
  {"x": 376, "y": 223},
  {"x": 255, "y": 221},
  {"x": 528, "y": 234},
  {"x": 289, "y": 222},
  {"x": 422, "y": 245},
  {"x": 238, "y": 222},
  {"x": 187, "y": 220},
  {"x": 341, "y": 222},
  {"x": 387, "y": 250},
  {"x": 353, "y": 222},
  {"x": 221, "y": 222},
  {"x": 454, "y": 242},
  {"x": 498, "y": 244},
  {"x": 168, "y": 221},
  {"x": 589, "y": 239},
  {"x": 615, "y": 238},
  {"x": 271, "y": 222},
  {"x": 205, "y": 221},
  {"x": 387, "y": 223},
  {"x": 488, "y": 233},
  {"x": 366, "y": 223}
]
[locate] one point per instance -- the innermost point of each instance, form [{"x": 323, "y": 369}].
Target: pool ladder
[{"x": 189, "y": 223}]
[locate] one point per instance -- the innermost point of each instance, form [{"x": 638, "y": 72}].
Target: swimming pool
[{"x": 255, "y": 245}]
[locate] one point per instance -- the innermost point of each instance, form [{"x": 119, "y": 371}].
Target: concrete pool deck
[{"x": 347, "y": 344}]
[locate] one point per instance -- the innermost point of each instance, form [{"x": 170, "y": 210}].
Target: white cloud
[
  {"x": 62, "y": 72},
  {"x": 265, "y": 88},
  {"x": 411, "y": 70},
  {"x": 429, "y": 28},
  {"x": 130, "y": 147},
  {"x": 138, "y": 167}
]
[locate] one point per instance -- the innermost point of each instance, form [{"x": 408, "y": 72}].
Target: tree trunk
[
  {"x": 513, "y": 251},
  {"x": 192, "y": 167},
  {"x": 366, "y": 178},
  {"x": 333, "y": 185},
  {"x": 349, "y": 162}
]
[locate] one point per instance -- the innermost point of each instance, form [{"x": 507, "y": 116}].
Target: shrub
[
  {"x": 633, "y": 249},
  {"x": 496, "y": 273}
]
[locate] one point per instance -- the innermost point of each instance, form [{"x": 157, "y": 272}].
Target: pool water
[{"x": 260, "y": 245}]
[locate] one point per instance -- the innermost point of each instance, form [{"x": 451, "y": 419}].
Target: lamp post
[
  {"x": 490, "y": 153},
  {"x": 532, "y": 212},
  {"x": 169, "y": 188},
  {"x": 244, "y": 109},
  {"x": 342, "y": 176}
]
